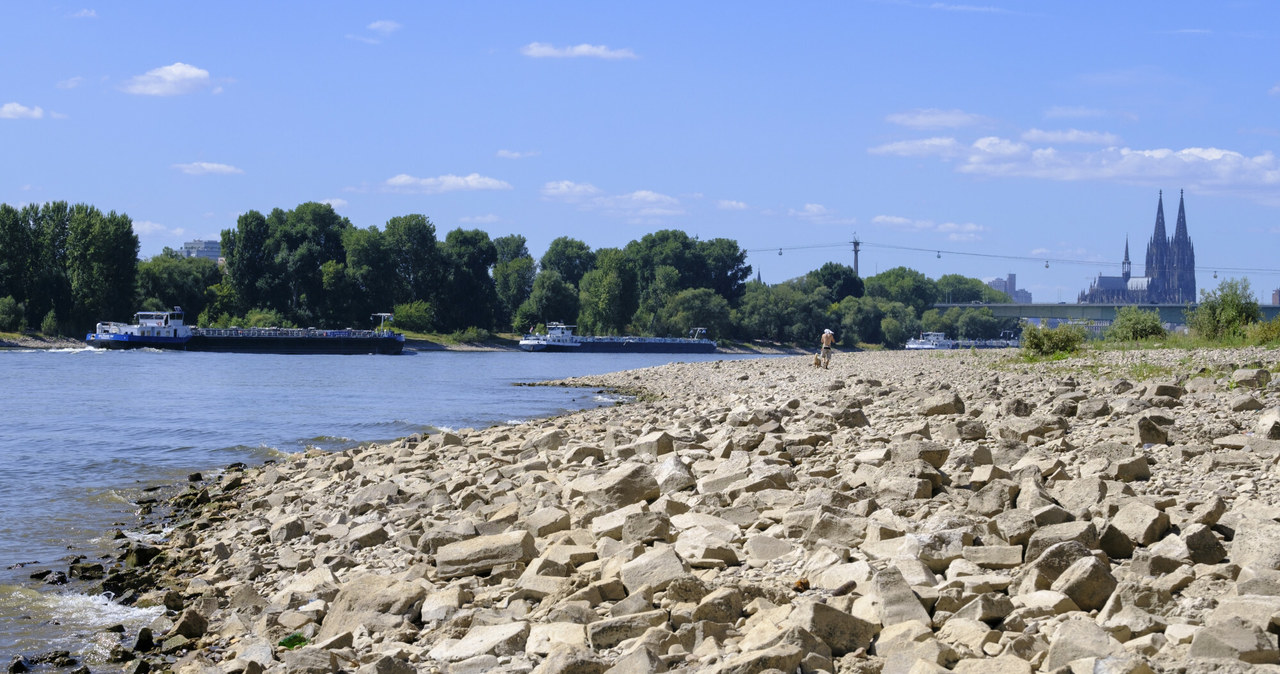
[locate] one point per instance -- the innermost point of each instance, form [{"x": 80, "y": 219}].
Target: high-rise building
[
  {"x": 207, "y": 249},
  {"x": 1170, "y": 274}
]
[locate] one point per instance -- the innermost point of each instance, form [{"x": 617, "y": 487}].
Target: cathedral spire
[
  {"x": 1126, "y": 268},
  {"x": 1180, "y": 230},
  {"x": 1158, "y": 254}
]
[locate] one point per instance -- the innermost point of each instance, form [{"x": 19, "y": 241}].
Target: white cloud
[
  {"x": 335, "y": 203},
  {"x": 171, "y": 80},
  {"x": 819, "y": 214},
  {"x": 638, "y": 207},
  {"x": 487, "y": 219},
  {"x": 1275, "y": 91},
  {"x": 19, "y": 111},
  {"x": 85, "y": 14},
  {"x": 932, "y": 118},
  {"x": 539, "y": 50},
  {"x": 954, "y": 231},
  {"x": 567, "y": 190},
  {"x": 445, "y": 183},
  {"x": 924, "y": 147},
  {"x": 147, "y": 227},
  {"x": 384, "y": 27},
  {"x": 514, "y": 154},
  {"x": 200, "y": 168},
  {"x": 730, "y": 205},
  {"x": 70, "y": 82},
  {"x": 992, "y": 145},
  {"x": 1071, "y": 136},
  {"x": 363, "y": 38}
]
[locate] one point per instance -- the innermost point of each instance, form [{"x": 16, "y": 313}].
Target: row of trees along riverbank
[{"x": 63, "y": 268}]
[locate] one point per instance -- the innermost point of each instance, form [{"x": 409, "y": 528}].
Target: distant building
[
  {"x": 1170, "y": 273},
  {"x": 1275, "y": 296},
  {"x": 1009, "y": 286},
  {"x": 206, "y": 249}
]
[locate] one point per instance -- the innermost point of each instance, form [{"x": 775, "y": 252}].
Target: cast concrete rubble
[{"x": 901, "y": 513}]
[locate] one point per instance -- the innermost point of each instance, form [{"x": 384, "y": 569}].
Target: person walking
[{"x": 828, "y": 340}]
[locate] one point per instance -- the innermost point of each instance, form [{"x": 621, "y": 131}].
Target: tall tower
[
  {"x": 1182, "y": 260},
  {"x": 1158, "y": 257},
  {"x": 1126, "y": 267}
]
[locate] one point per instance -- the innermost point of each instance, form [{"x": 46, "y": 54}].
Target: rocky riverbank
[{"x": 901, "y": 512}]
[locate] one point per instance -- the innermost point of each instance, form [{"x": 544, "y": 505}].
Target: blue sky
[{"x": 998, "y": 135}]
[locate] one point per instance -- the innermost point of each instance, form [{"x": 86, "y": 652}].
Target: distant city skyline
[{"x": 983, "y": 140}]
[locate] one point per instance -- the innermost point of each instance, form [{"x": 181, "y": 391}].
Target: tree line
[{"x": 63, "y": 268}]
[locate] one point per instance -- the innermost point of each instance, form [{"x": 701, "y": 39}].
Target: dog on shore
[{"x": 817, "y": 360}]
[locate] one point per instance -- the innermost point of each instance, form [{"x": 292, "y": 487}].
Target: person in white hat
[{"x": 828, "y": 340}]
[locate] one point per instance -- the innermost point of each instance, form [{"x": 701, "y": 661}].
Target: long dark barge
[
  {"x": 560, "y": 338},
  {"x": 168, "y": 330}
]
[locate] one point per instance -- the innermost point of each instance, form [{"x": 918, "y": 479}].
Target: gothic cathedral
[{"x": 1171, "y": 269}]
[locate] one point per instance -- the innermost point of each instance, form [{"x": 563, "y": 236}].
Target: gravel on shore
[{"x": 902, "y": 512}]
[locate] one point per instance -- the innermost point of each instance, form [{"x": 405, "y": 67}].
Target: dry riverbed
[{"x": 900, "y": 512}]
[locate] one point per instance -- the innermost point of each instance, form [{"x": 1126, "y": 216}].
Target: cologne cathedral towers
[{"x": 1170, "y": 273}]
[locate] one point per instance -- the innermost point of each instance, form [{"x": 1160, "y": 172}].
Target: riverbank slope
[{"x": 901, "y": 511}]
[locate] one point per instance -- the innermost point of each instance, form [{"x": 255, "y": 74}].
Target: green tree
[
  {"x": 17, "y": 254},
  {"x": 249, "y": 267},
  {"x": 697, "y": 308},
  {"x": 765, "y": 311},
  {"x": 169, "y": 280},
  {"x": 570, "y": 258},
  {"x": 552, "y": 299},
  {"x": 957, "y": 289},
  {"x": 371, "y": 273},
  {"x": 904, "y": 285},
  {"x": 12, "y": 316},
  {"x": 419, "y": 265},
  {"x": 840, "y": 279},
  {"x": 513, "y": 275},
  {"x": 724, "y": 268},
  {"x": 664, "y": 285},
  {"x": 607, "y": 294},
  {"x": 1134, "y": 323},
  {"x": 49, "y": 293},
  {"x": 102, "y": 265},
  {"x": 418, "y": 316},
  {"x": 1224, "y": 312},
  {"x": 470, "y": 297},
  {"x": 978, "y": 324}
]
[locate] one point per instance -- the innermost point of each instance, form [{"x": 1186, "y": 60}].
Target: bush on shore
[
  {"x": 1062, "y": 340},
  {"x": 1225, "y": 312},
  {"x": 1133, "y": 323},
  {"x": 12, "y": 315}
]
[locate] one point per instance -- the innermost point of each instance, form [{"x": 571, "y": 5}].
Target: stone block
[{"x": 482, "y": 553}]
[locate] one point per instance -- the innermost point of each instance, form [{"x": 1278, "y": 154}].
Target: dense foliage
[
  {"x": 64, "y": 268},
  {"x": 1225, "y": 312},
  {"x": 67, "y": 267},
  {"x": 1133, "y": 323},
  {"x": 1064, "y": 339}
]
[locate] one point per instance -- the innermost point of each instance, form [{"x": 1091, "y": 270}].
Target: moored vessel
[
  {"x": 559, "y": 337},
  {"x": 168, "y": 330},
  {"x": 930, "y": 341}
]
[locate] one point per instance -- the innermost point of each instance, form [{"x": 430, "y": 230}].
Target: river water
[{"x": 83, "y": 434}]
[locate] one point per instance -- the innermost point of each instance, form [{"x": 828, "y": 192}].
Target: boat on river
[
  {"x": 559, "y": 337},
  {"x": 931, "y": 341},
  {"x": 168, "y": 330}
]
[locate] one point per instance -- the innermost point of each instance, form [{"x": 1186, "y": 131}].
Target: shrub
[
  {"x": 472, "y": 334},
  {"x": 265, "y": 318},
  {"x": 1224, "y": 312},
  {"x": 1133, "y": 323},
  {"x": 416, "y": 316},
  {"x": 11, "y": 315},
  {"x": 1064, "y": 339},
  {"x": 1263, "y": 333},
  {"x": 49, "y": 325}
]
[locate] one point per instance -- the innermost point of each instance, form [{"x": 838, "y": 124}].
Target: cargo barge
[
  {"x": 560, "y": 338},
  {"x": 168, "y": 330}
]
